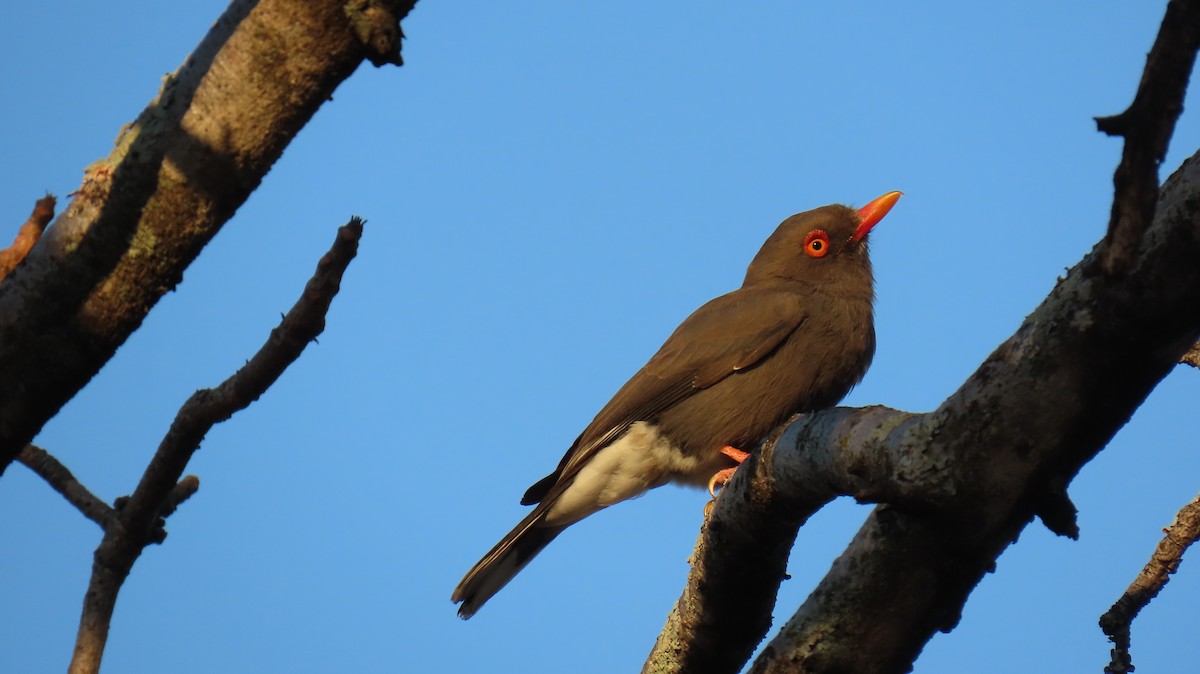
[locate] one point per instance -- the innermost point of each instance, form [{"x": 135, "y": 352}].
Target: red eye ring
[{"x": 816, "y": 243}]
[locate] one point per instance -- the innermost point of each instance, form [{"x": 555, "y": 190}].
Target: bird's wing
[{"x": 730, "y": 333}]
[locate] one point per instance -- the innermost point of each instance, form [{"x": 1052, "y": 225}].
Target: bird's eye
[{"x": 816, "y": 244}]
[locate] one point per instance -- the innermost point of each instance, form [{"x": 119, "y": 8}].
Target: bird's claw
[
  {"x": 719, "y": 479},
  {"x": 722, "y": 476}
]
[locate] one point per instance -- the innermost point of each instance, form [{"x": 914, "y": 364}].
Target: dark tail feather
[{"x": 503, "y": 562}]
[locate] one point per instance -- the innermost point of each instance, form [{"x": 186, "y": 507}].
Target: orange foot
[{"x": 722, "y": 476}]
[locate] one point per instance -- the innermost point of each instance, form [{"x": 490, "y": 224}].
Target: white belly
[{"x": 639, "y": 460}]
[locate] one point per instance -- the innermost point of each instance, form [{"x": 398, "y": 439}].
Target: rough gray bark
[{"x": 177, "y": 174}]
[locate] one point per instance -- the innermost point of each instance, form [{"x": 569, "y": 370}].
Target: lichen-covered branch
[
  {"x": 176, "y": 175},
  {"x": 1177, "y": 538},
  {"x": 160, "y": 489}
]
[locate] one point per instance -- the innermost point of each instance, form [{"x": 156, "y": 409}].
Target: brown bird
[{"x": 796, "y": 337}]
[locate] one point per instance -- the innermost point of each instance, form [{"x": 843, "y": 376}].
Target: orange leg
[{"x": 722, "y": 476}]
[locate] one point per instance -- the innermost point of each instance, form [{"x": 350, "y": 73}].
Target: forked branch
[{"x": 160, "y": 490}]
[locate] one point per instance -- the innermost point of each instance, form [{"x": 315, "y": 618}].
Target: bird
[{"x": 794, "y": 338}]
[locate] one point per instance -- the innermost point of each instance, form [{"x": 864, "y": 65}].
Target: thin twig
[
  {"x": 60, "y": 478},
  {"x": 1163, "y": 563},
  {"x": 1147, "y": 126},
  {"x": 30, "y": 232},
  {"x": 160, "y": 487}
]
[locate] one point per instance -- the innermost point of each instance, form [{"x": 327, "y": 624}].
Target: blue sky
[{"x": 550, "y": 188}]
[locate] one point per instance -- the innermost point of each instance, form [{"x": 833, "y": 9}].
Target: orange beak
[{"x": 872, "y": 213}]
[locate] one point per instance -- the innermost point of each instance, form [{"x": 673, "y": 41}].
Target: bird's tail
[{"x": 504, "y": 561}]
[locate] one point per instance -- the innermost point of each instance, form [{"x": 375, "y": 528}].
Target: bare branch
[
  {"x": 30, "y": 232},
  {"x": 1147, "y": 126},
  {"x": 60, "y": 478},
  {"x": 160, "y": 488},
  {"x": 176, "y": 175},
  {"x": 1162, "y": 565}
]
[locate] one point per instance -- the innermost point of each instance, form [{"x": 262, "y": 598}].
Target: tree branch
[
  {"x": 160, "y": 490},
  {"x": 1147, "y": 126},
  {"x": 994, "y": 454},
  {"x": 726, "y": 606},
  {"x": 60, "y": 478},
  {"x": 177, "y": 174},
  {"x": 1162, "y": 565}
]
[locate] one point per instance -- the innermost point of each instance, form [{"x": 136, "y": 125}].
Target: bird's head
[{"x": 820, "y": 246}]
